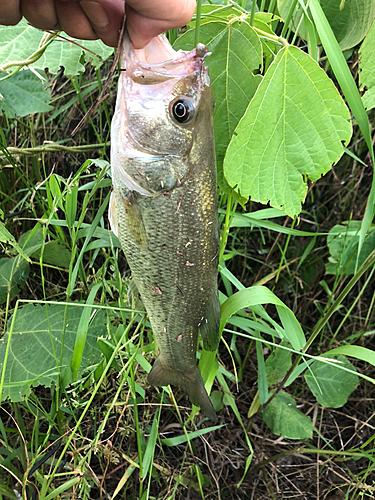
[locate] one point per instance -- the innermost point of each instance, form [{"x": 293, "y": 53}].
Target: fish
[{"x": 163, "y": 204}]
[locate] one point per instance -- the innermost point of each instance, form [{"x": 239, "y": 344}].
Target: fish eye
[{"x": 182, "y": 110}]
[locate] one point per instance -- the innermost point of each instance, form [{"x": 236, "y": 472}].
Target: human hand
[{"x": 92, "y": 19}]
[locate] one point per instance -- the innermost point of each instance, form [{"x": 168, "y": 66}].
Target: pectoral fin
[
  {"x": 112, "y": 214},
  {"x": 210, "y": 325},
  {"x": 133, "y": 217},
  {"x": 190, "y": 381}
]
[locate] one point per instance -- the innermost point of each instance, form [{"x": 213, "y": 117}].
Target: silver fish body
[{"x": 164, "y": 204}]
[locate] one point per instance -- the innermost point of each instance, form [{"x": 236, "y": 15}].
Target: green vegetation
[{"x": 292, "y": 380}]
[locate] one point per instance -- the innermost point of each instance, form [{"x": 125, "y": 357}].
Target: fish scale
[{"x": 170, "y": 236}]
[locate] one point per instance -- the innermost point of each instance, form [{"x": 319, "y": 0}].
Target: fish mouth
[{"x": 158, "y": 61}]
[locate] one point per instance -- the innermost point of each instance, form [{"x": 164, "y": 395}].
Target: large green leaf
[
  {"x": 368, "y": 99},
  {"x": 283, "y": 418},
  {"x": 342, "y": 242},
  {"x": 54, "y": 252},
  {"x": 277, "y": 365},
  {"x": 24, "y": 94},
  {"x": 367, "y": 68},
  {"x": 18, "y": 43},
  {"x": 236, "y": 54},
  {"x": 13, "y": 275},
  {"x": 71, "y": 55},
  {"x": 350, "y": 20},
  {"x": 36, "y": 346},
  {"x": 331, "y": 385},
  {"x": 293, "y": 127},
  {"x": 367, "y": 60}
]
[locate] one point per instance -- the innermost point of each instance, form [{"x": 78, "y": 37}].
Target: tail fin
[{"x": 191, "y": 382}]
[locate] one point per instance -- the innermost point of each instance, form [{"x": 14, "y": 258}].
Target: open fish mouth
[{"x": 158, "y": 61}]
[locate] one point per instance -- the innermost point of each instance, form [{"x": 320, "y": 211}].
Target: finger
[
  {"x": 73, "y": 20},
  {"x": 106, "y": 18},
  {"x": 144, "y": 20},
  {"x": 40, "y": 13},
  {"x": 10, "y": 12}
]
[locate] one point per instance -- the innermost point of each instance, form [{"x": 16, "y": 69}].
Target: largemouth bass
[{"x": 164, "y": 203}]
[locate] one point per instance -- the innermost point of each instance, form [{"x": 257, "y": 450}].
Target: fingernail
[{"x": 95, "y": 12}]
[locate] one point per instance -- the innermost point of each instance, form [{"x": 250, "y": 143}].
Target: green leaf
[
  {"x": 343, "y": 243},
  {"x": 277, "y": 365},
  {"x": 54, "y": 252},
  {"x": 248, "y": 220},
  {"x": 71, "y": 55},
  {"x": 354, "y": 351},
  {"x": 82, "y": 330},
  {"x": 189, "y": 436},
  {"x": 13, "y": 275},
  {"x": 330, "y": 385},
  {"x": 367, "y": 60},
  {"x": 7, "y": 237},
  {"x": 71, "y": 204},
  {"x": 236, "y": 53},
  {"x": 258, "y": 295},
  {"x": 19, "y": 42},
  {"x": 292, "y": 128},
  {"x": 217, "y": 400},
  {"x": 36, "y": 346},
  {"x": 91, "y": 231},
  {"x": 283, "y": 418},
  {"x": 350, "y": 20},
  {"x": 148, "y": 456},
  {"x": 368, "y": 99},
  {"x": 262, "y": 375},
  {"x": 24, "y": 94}
]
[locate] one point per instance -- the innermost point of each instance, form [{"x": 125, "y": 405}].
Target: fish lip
[{"x": 140, "y": 65}]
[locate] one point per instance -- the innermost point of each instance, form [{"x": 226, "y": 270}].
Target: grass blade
[
  {"x": 90, "y": 233},
  {"x": 354, "y": 351},
  {"x": 82, "y": 332},
  {"x": 189, "y": 436}
]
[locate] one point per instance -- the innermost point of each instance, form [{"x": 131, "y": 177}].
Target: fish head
[{"x": 165, "y": 98}]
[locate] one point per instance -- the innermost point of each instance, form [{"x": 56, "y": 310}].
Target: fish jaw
[{"x": 165, "y": 204}]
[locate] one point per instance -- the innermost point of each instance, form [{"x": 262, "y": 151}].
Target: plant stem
[
  {"x": 271, "y": 7},
  {"x": 52, "y": 147},
  {"x": 252, "y": 13},
  {"x": 198, "y": 22},
  {"x": 283, "y": 253},
  {"x": 228, "y": 219},
  {"x": 288, "y": 18}
]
